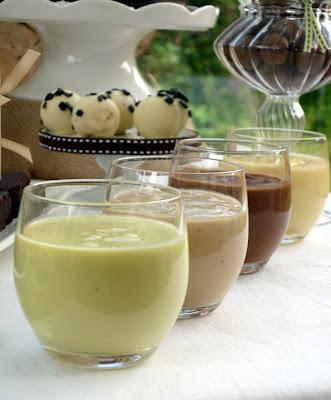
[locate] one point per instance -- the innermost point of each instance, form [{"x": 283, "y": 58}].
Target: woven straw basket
[{"x": 21, "y": 123}]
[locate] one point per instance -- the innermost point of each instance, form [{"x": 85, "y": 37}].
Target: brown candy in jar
[
  {"x": 311, "y": 63},
  {"x": 291, "y": 29},
  {"x": 247, "y": 56},
  {"x": 274, "y": 49}
]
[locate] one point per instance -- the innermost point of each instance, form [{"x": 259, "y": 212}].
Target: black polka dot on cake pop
[
  {"x": 59, "y": 92},
  {"x": 161, "y": 94},
  {"x": 183, "y": 104},
  {"x": 63, "y": 106},
  {"x": 125, "y": 92},
  {"x": 68, "y": 94},
  {"x": 41, "y": 122},
  {"x": 79, "y": 113},
  {"x": 49, "y": 96},
  {"x": 178, "y": 94},
  {"x": 137, "y": 103},
  {"x": 44, "y": 104},
  {"x": 102, "y": 97},
  {"x": 189, "y": 112},
  {"x": 91, "y": 94},
  {"x": 108, "y": 93},
  {"x": 169, "y": 100},
  {"x": 131, "y": 108}
]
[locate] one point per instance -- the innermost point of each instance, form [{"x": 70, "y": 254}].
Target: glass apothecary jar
[{"x": 265, "y": 48}]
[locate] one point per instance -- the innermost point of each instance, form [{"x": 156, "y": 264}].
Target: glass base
[
  {"x": 201, "y": 311},
  {"x": 291, "y": 239},
  {"x": 251, "y": 268},
  {"x": 98, "y": 361}
]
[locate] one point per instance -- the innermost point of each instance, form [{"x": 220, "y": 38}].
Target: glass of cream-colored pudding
[
  {"x": 215, "y": 206},
  {"x": 309, "y": 160},
  {"x": 101, "y": 280}
]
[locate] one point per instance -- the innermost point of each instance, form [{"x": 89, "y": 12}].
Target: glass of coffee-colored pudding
[
  {"x": 268, "y": 190},
  {"x": 215, "y": 207},
  {"x": 309, "y": 160},
  {"x": 101, "y": 281}
]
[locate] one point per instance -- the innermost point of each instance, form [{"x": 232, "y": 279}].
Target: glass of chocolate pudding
[
  {"x": 215, "y": 206},
  {"x": 309, "y": 160},
  {"x": 268, "y": 189}
]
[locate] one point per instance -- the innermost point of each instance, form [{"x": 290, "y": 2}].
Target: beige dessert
[
  {"x": 163, "y": 115},
  {"x": 56, "y": 111},
  {"x": 310, "y": 186},
  {"x": 96, "y": 115},
  {"x": 126, "y": 105},
  {"x": 218, "y": 235}
]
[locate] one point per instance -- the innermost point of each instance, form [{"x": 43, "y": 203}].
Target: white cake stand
[{"x": 90, "y": 44}]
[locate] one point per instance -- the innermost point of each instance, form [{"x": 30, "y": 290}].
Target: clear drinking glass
[
  {"x": 268, "y": 187},
  {"x": 215, "y": 206},
  {"x": 309, "y": 160},
  {"x": 101, "y": 278}
]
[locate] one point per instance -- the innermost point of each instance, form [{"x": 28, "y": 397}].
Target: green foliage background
[{"x": 219, "y": 102}]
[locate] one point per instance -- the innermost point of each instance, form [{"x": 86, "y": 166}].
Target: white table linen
[{"x": 270, "y": 339}]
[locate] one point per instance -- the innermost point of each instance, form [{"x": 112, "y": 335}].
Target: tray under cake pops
[{"x": 116, "y": 146}]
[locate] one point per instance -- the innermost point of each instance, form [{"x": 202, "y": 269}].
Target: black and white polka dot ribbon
[{"x": 313, "y": 29}]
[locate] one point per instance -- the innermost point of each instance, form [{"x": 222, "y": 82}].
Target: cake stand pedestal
[{"x": 90, "y": 44}]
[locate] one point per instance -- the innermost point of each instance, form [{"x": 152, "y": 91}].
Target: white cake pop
[
  {"x": 126, "y": 104},
  {"x": 96, "y": 115},
  {"x": 182, "y": 102},
  {"x": 157, "y": 117},
  {"x": 56, "y": 111}
]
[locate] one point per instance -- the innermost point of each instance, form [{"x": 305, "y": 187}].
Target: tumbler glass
[
  {"x": 309, "y": 160},
  {"x": 268, "y": 187},
  {"x": 215, "y": 206},
  {"x": 101, "y": 281}
]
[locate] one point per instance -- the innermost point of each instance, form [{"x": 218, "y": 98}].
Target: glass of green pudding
[{"x": 100, "y": 272}]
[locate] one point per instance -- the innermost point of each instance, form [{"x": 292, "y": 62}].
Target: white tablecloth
[{"x": 270, "y": 339}]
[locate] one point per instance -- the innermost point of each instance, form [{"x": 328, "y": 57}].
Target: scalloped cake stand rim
[{"x": 162, "y": 15}]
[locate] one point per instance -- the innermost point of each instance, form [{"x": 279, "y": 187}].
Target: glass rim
[
  {"x": 174, "y": 194},
  {"x": 312, "y": 136},
  {"x": 236, "y": 170},
  {"x": 273, "y": 148}
]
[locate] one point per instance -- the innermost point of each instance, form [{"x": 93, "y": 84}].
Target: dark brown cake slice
[
  {"x": 5, "y": 209},
  {"x": 14, "y": 185}
]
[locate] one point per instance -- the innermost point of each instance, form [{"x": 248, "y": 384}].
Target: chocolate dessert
[
  {"x": 5, "y": 209},
  {"x": 269, "y": 205},
  {"x": 14, "y": 185}
]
